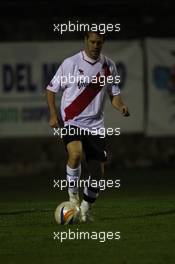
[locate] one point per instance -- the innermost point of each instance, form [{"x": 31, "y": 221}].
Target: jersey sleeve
[{"x": 113, "y": 88}]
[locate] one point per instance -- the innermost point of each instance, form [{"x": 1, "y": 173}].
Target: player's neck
[{"x": 89, "y": 57}]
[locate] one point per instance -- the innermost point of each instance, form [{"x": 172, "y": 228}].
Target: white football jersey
[{"x": 84, "y": 91}]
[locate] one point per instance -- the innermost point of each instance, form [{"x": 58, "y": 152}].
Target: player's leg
[
  {"x": 73, "y": 169},
  {"x": 92, "y": 190},
  {"x": 73, "y": 144},
  {"x": 95, "y": 156}
]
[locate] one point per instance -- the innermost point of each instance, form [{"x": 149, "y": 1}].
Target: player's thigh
[{"x": 75, "y": 149}]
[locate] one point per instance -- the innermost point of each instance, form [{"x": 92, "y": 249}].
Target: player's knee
[
  {"x": 75, "y": 153},
  {"x": 75, "y": 156}
]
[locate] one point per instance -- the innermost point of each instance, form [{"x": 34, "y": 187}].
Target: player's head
[{"x": 93, "y": 44}]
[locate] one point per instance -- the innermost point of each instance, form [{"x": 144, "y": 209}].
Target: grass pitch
[{"x": 143, "y": 211}]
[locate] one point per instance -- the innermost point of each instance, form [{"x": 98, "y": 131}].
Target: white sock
[
  {"x": 86, "y": 205},
  {"x": 73, "y": 176}
]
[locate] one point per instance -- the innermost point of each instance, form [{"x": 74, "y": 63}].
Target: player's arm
[
  {"x": 117, "y": 103},
  {"x": 51, "y": 90},
  {"x": 53, "y": 122},
  {"x": 114, "y": 94}
]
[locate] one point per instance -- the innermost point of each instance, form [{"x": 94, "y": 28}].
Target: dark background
[{"x": 32, "y": 20}]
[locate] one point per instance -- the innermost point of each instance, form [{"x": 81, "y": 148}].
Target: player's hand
[
  {"x": 53, "y": 122},
  {"x": 124, "y": 110}
]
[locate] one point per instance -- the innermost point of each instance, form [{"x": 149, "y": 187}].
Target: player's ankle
[
  {"x": 86, "y": 204},
  {"x": 74, "y": 197}
]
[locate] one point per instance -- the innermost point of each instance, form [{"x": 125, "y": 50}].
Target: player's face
[{"x": 93, "y": 45}]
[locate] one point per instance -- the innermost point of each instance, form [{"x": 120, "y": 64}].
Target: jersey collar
[{"x": 89, "y": 60}]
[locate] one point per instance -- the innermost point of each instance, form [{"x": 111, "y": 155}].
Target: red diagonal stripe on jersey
[{"x": 86, "y": 97}]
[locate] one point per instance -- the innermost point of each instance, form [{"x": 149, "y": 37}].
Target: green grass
[{"x": 144, "y": 214}]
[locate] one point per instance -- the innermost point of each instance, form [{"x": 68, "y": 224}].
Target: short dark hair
[{"x": 86, "y": 34}]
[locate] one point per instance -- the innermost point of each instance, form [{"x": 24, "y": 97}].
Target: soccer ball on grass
[{"x": 67, "y": 213}]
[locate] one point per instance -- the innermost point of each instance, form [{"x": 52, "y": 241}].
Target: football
[{"x": 67, "y": 213}]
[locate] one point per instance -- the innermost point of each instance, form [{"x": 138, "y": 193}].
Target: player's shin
[{"x": 91, "y": 191}]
